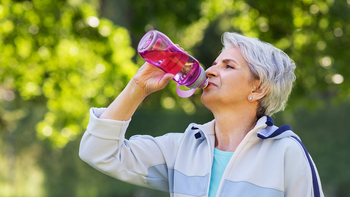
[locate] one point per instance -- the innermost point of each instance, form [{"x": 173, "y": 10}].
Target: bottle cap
[{"x": 201, "y": 81}]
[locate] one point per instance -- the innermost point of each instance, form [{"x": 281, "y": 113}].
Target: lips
[{"x": 211, "y": 83}]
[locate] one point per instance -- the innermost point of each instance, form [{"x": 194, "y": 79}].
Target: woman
[{"x": 239, "y": 153}]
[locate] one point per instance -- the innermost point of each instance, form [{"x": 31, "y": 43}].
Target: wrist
[
  {"x": 136, "y": 90},
  {"x": 124, "y": 106}
]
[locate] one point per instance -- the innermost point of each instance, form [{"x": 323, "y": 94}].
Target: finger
[
  {"x": 168, "y": 76},
  {"x": 166, "y": 79},
  {"x": 157, "y": 44},
  {"x": 178, "y": 46}
]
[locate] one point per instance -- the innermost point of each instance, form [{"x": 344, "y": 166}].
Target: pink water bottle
[{"x": 158, "y": 50}]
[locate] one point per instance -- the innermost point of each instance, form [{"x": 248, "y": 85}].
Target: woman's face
[{"x": 230, "y": 81}]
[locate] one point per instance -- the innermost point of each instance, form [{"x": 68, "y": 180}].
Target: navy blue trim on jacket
[{"x": 313, "y": 171}]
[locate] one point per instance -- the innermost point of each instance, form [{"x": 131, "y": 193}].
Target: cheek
[{"x": 238, "y": 84}]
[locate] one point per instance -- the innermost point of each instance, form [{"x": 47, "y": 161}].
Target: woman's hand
[
  {"x": 148, "y": 79},
  {"x": 151, "y": 78}
]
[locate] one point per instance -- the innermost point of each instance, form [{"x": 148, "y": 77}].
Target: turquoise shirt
[{"x": 220, "y": 161}]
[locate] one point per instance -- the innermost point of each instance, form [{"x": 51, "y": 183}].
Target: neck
[{"x": 231, "y": 128}]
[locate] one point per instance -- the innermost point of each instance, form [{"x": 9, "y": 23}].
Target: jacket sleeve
[
  {"x": 143, "y": 160},
  {"x": 299, "y": 179}
]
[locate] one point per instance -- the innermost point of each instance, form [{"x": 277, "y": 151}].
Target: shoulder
[
  {"x": 282, "y": 139},
  {"x": 300, "y": 170},
  {"x": 296, "y": 159},
  {"x": 293, "y": 147},
  {"x": 286, "y": 147}
]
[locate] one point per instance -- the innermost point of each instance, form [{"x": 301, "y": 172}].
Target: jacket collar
[
  {"x": 208, "y": 128},
  {"x": 263, "y": 129}
]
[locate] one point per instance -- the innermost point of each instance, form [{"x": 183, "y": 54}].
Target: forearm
[
  {"x": 105, "y": 148},
  {"x": 125, "y": 105}
]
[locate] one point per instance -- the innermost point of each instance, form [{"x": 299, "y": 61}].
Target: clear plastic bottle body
[{"x": 157, "y": 49}]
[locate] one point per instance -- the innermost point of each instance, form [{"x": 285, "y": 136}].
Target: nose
[{"x": 211, "y": 72}]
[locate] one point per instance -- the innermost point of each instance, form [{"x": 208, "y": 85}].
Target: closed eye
[
  {"x": 230, "y": 63},
  {"x": 229, "y": 66}
]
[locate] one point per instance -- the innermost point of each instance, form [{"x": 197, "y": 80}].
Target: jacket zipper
[{"x": 211, "y": 155}]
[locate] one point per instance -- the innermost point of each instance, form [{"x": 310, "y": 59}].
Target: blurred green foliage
[
  {"x": 61, "y": 57},
  {"x": 63, "y": 54}
]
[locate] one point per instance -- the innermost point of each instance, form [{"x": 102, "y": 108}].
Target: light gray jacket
[{"x": 269, "y": 162}]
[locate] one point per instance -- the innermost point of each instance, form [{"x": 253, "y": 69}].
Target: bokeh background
[{"x": 60, "y": 57}]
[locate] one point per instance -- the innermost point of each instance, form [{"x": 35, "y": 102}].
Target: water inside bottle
[{"x": 173, "y": 60}]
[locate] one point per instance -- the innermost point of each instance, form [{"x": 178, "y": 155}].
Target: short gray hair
[{"x": 273, "y": 67}]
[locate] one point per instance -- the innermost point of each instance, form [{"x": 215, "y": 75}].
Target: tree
[{"x": 63, "y": 57}]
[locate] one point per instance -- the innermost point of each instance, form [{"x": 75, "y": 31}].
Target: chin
[{"x": 207, "y": 99}]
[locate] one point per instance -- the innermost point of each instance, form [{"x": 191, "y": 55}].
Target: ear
[{"x": 258, "y": 92}]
